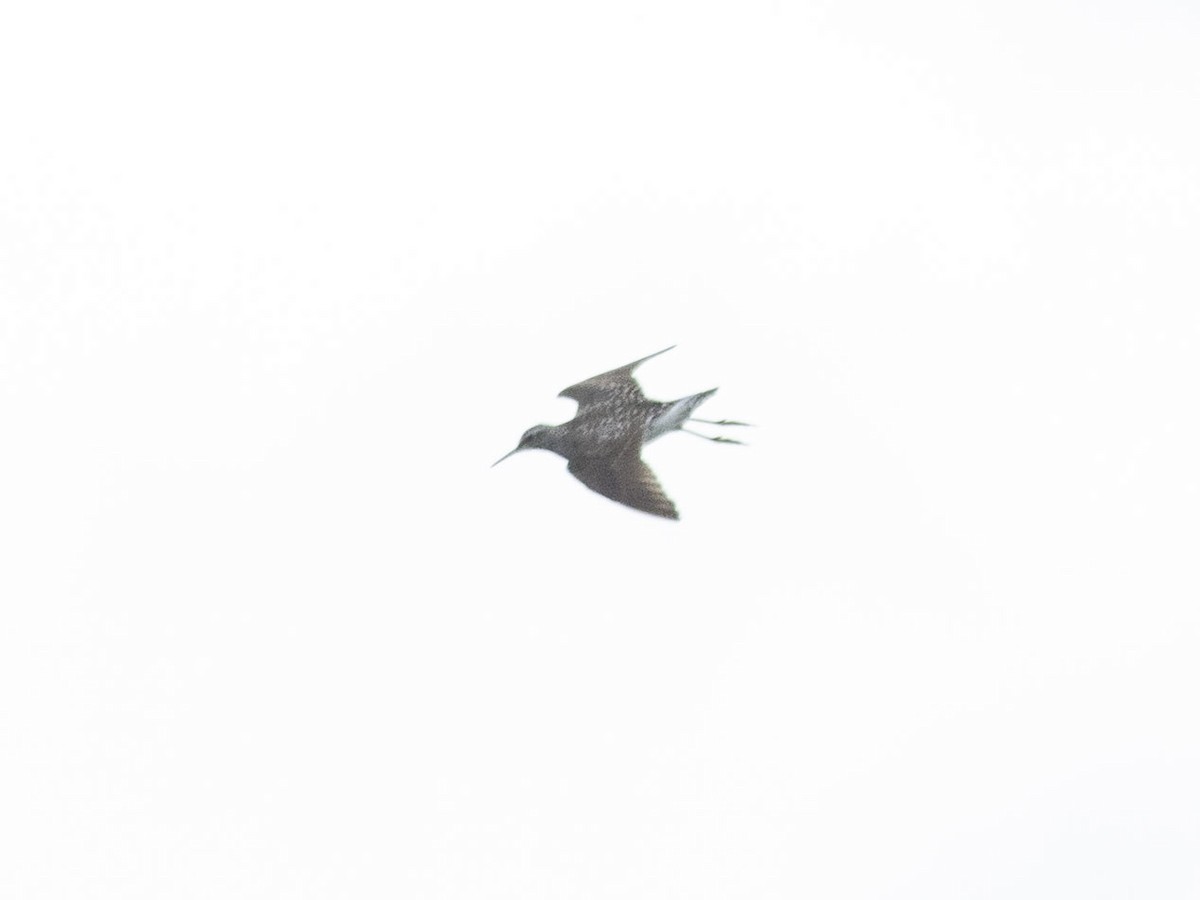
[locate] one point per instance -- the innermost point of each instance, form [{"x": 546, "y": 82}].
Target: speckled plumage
[{"x": 603, "y": 443}]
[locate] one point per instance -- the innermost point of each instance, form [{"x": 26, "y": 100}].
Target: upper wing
[
  {"x": 624, "y": 477},
  {"x": 609, "y": 385}
]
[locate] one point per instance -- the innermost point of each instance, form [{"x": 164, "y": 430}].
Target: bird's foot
[{"x": 709, "y": 437}]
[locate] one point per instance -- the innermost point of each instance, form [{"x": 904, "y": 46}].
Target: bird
[{"x": 603, "y": 443}]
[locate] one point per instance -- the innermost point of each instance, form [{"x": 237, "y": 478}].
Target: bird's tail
[
  {"x": 671, "y": 416},
  {"x": 695, "y": 400}
]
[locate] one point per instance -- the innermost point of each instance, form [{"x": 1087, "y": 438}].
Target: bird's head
[{"x": 533, "y": 439}]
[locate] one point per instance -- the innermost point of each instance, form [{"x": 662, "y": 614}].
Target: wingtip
[
  {"x": 668, "y": 511},
  {"x": 636, "y": 363}
]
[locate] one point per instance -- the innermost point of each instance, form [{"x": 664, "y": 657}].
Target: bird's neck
[{"x": 555, "y": 439}]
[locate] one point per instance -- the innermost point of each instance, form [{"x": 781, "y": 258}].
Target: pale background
[{"x": 278, "y": 282}]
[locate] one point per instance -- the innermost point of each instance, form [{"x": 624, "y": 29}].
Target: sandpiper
[{"x": 603, "y": 443}]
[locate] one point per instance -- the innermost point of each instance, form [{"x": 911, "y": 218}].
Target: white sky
[{"x": 278, "y": 282}]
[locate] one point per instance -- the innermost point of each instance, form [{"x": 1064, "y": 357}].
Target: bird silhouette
[{"x": 603, "y": 443}]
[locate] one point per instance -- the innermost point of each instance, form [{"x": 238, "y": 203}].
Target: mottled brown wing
[
  {"x": 615, "y": 385},
  {"x": 624, "y": 477}
]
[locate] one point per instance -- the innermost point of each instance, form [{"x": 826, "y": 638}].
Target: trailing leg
[{"x": 708, "y": 437}]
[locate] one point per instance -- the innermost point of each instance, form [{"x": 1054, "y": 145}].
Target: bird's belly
[{"x": 669, "y": 418}]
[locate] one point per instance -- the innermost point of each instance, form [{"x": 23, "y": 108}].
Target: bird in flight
[{"x": 603, "y": 443}]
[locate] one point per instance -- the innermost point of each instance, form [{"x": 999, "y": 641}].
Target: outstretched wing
[
  {"x": 624, "y": 477},
  {"x": 615, "y": 385}
]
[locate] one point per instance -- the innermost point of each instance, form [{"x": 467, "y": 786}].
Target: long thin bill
[{"x": 504, "y": 457}]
